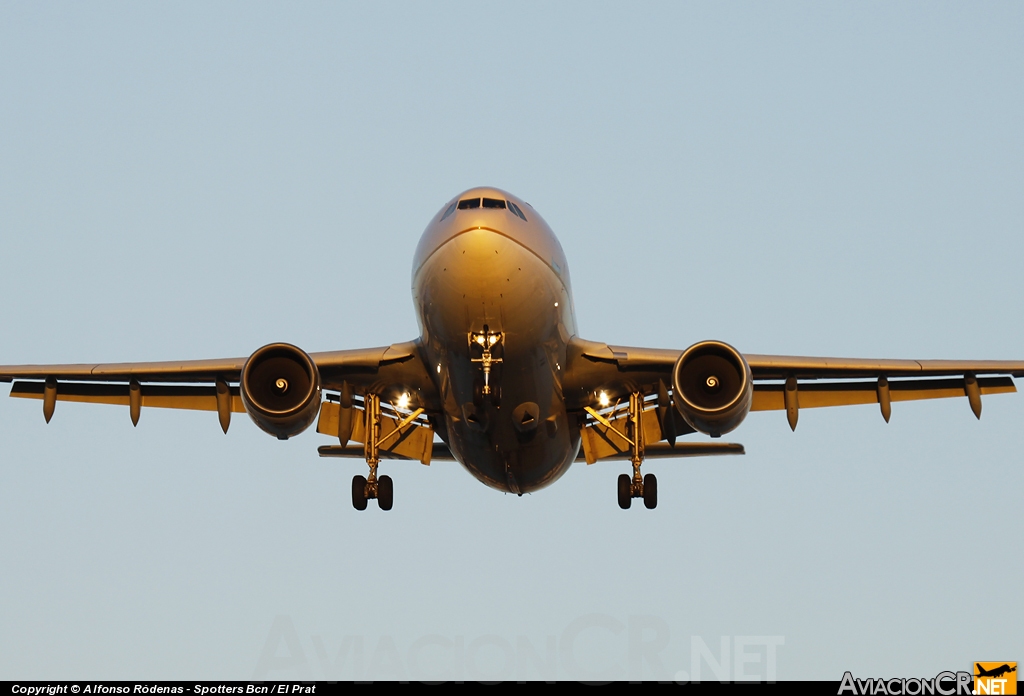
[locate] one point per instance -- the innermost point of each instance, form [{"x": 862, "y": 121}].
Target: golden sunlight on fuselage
[{"x": 490, "y": 266}]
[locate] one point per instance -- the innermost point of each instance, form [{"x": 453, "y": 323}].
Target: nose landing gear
[{"x": 486, "y": 341}]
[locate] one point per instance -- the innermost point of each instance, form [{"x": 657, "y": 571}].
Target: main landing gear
[
  {"x": 637, "y": 486},
  {"x": 375, "y": 438},
  {"x": 364, "y": 488},
  {"x": 645, "y": 487}
]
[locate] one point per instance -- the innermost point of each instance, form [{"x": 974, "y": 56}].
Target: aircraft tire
[
  {"x": 650, "y": 491},
  {"x": 625, "y": 495},
  {"x": 385, "y": 492},
  {"x": 359, "y": 492}
]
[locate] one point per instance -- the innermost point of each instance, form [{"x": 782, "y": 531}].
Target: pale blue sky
[{"x": 195, "y": 180}]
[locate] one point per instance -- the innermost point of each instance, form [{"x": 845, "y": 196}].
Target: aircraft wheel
[
  {"x": 650, "y": 491},
  {"x": 385, "y": 492},
  {"x": 625, "y": 495},
  {"x": 359, "y": 492}
]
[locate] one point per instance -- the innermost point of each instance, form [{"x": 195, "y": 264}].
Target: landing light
[
  {"x": 556, "y": 304},
  {"x": 403, "y": 401},
  {"x": 603, "y": 399}
]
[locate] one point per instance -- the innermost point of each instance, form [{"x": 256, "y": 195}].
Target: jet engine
[
  {"x": 280, "y": 389},
  {"x": 713, "y": 388}
]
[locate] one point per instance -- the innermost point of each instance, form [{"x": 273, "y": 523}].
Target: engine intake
[
  {"x": 713, "y": 388},
  {"x": 280, "y": 389}
]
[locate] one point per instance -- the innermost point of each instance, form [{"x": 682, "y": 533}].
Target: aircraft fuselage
[{"x": 485, "y": 271}]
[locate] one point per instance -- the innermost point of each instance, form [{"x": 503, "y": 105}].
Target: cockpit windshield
[{"x": 493, "y": 203}]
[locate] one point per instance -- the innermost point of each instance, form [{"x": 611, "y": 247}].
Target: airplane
[
  {"x": 499, "y": 379},
  {"x": 996, "y": 672}
]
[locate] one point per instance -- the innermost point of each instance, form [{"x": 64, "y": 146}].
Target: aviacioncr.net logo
[{"x": 943, "y": 684}]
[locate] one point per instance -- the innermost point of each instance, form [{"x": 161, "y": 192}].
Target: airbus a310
[{"x": 499, "y": 379}]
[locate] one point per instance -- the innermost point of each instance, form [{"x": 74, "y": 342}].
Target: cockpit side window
[
  {"x": 467, "y": 203},
  {"x": 493, "y": 203},
  {"x": 449, "y": 211},
  {"x": 515, "y": 209}
]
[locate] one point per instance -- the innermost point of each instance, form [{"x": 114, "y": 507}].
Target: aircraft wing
[
  {"x": 208, "y": 385},
  {"x": 812, "y": 382},
  {"x": 863, "y": 381}
]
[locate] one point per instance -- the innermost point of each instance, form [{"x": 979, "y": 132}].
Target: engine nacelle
[
  {"x": 713, "y": 388},
  {"x": 280, "y": 389}
]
